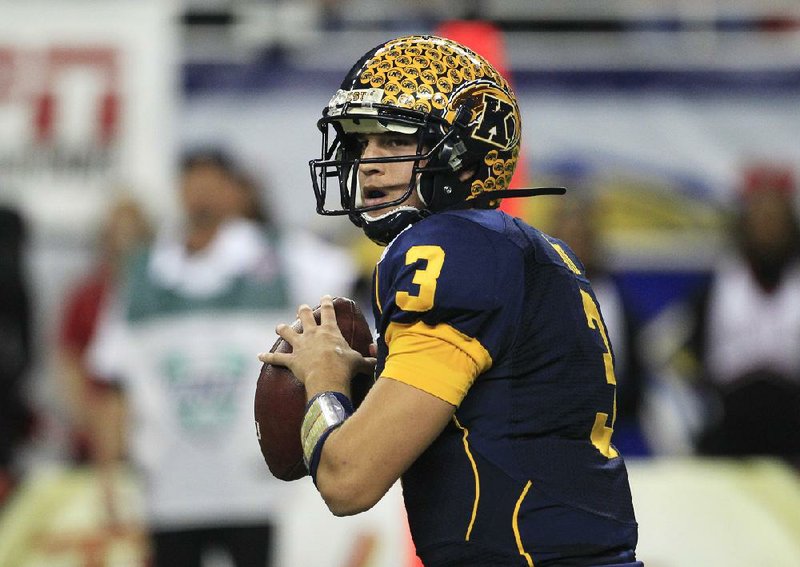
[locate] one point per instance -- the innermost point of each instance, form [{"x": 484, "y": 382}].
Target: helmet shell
[
  {"x": 452, "y": 87},
  {"x": 463, "y": 112}
]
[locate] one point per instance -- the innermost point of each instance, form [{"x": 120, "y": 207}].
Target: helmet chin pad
[
  {"x": 382, "y": 229},
  {"x": 385, "y": 228}
]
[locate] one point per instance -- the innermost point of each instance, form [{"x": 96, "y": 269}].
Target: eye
[
  {"x": 401, "y": 142},
  {"x": 356, "y": 144}
]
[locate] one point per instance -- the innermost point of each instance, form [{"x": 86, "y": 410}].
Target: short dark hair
[
  {"x": 219, "y": 158},
  {"x": 216, "y": 157}
]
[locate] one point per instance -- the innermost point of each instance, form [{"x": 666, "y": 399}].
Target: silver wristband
[{"x": 325, "y": 411}]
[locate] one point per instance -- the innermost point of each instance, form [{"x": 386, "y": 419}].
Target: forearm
[
  {"x": 337, "y": 465},
  {"x": 340, "y": 473},
  {"x": 367, "y": 454},
  {"x": 347, "y": 476}
]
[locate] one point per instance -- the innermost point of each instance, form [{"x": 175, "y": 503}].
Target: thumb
[{"x": 366, "y": 365}]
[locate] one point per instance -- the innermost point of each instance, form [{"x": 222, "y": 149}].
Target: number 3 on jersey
[
  {"x": 601, "y": 433},
  {"x": 424, "y": 277}
]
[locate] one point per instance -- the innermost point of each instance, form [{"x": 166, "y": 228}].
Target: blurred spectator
[
  {"x": 15, "y": 345},
  {"x": 745, "y": 337},
  {"x": 124, "y": 230},
  {"x": 179, "y": 341},
  {"x": 576, "y": 221}
]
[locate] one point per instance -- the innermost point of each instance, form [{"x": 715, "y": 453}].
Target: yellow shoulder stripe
[{"x": 437, "y": 359}]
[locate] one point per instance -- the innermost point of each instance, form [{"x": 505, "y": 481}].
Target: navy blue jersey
[{"x": 498, "y": 319}]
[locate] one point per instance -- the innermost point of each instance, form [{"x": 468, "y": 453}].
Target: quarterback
[{"x": 494, "y": 401}]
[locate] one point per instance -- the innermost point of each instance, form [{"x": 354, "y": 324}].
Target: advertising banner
[{"x": 87, "y": 93}]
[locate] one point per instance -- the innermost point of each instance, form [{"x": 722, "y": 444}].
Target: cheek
[
  {"x": 359, "y": 174},
  {"x": 404, "y": 171}
]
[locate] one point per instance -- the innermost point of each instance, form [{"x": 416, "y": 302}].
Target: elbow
[
  {"x": 347, "y": 496},
  {"x": 350, "y": 481},
  {"x": 340, "y": 509},
  {"x": 349, "y": 486}
]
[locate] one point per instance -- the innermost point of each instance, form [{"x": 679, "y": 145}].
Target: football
[{"x": 280, "y": 398}]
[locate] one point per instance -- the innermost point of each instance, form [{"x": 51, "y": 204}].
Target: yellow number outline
[
  {"x": 426, "y": 278},
  {"x": 601, "y": 432}
]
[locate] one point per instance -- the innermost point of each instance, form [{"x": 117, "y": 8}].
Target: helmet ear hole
[
  {"x": 451, "y": 154},
  {"x": 446, "y": 152}
]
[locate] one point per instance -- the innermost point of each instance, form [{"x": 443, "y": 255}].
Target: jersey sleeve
[{"x": 440, "y": 292}]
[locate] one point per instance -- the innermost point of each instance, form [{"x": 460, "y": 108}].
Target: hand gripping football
[{"x": 281, "y": 399}]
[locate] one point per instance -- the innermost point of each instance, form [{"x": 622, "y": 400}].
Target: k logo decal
[{"x": 497, "y": 124}]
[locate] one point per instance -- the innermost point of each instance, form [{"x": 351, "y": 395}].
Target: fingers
[
  {"x": 306, "y": 316},
  {"x": 327, "y": 312},
  {"x": 367, "y": 366},
  {"x": 286, "y": 332},
  {"x": 275, "y": 358}
]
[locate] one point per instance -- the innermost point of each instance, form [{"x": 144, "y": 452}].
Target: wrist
[
  {"x": 325, "y": 412},
  {"x": 326, "y": 382}
]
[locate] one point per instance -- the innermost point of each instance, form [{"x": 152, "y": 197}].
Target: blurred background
[{"x": 673, "y": 124}]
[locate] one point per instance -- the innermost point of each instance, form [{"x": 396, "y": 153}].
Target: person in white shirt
[
  {"x": 177, "y": 344},
  {"x": 746, "y": 327}
]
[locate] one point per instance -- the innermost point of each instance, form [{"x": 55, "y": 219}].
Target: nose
[{"x": 371, "y": 149}]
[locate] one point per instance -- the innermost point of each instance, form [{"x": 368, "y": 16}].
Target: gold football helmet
[{"x": 464, "y": 114}]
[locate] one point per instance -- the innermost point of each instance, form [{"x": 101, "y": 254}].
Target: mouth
[{"x": 376, "y": 197}]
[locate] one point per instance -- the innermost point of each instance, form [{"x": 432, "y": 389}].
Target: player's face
[{"x": 386, "y": 182}]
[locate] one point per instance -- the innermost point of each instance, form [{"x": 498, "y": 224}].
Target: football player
[{"x": 495, "y": 393}]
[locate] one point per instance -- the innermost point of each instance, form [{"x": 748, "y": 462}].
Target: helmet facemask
[{"x": 342, "y": 159}]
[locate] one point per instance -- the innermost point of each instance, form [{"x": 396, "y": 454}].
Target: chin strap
[
  {"x": 383, "y": 230},
  {"x": 511, "y": 193}
]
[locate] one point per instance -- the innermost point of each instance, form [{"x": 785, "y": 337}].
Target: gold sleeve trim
[
  {"x": 377, "y": 295},
  {"x": 475, "y": 474},
  {"x": 515, "y": 525},
  {"x": 439, "y": 360}
]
